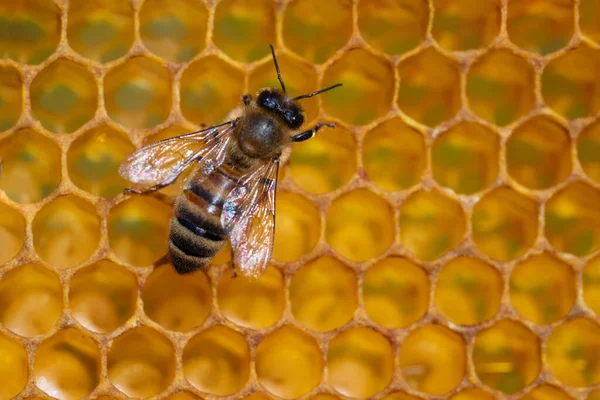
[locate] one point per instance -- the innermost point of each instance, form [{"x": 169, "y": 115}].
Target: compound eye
[
  {"x": 266, "y": 100},
  {"x": 297, "y": 120}
]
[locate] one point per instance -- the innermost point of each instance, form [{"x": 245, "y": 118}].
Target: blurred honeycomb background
[{"x": 441, "y": 243}]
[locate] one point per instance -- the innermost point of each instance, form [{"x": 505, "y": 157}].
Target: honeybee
[{"x": 231, "y": 190}]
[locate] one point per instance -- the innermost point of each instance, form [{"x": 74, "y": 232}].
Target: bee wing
[
  {"x": 249, "y": 217},
  {"x": 164, "y": 160}
]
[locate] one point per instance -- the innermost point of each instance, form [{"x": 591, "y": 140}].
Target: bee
[{"x": 230, "y": 192}]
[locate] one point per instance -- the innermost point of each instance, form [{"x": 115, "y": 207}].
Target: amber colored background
[{"x": 441, "y": 243}]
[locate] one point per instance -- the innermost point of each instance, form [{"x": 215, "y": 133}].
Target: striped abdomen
[{"x": 196, "y": 231}]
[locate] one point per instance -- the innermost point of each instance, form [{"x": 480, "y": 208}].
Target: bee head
[{"x": 282, "y": 105}]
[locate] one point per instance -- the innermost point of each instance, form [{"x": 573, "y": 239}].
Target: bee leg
[
  {"x": 309, "y": 134},
  {"x": 234, "y": 274},
  {"x": 247, "y": 99},
  {"x": 149, "y": 190}
]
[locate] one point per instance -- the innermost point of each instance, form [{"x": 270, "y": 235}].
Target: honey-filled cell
[
  {"x": 429, "y": 87},
  {"x": 468, "y": 291},
  {"x": 288, "y": 362},
  {"x": 252, "y": 303},
  {"x": 358, "y": 232},
  {"x": 362, "y": 74},
  {"x": 13, "y": 368},
  {"x": 394, "y": 155},
  {"x": 588, "y": 150},
  {"x": 100, "y": 31},
  {"x": 64, "y": 96},
  {"x": 30, "y": 299},
  {"x": 431, "y": 224},
  {"x": 393, "y": 27},
  {"x": 30, "y": 166},
  {"x": 473, "y": 394},
  {"x": 174, "y": 30},
  {"x": 31, "y": 30},
  {"x": 326, "y": 162},
  {"x": 507, "y": 356},
  {"x": 94, "y": 158},
  {"x": 591, "y": 284},
  {"x": 589, "y": 19},
  {"x": 543, "y": 298},
  {"x": 317, "y": 36},
  {"x": 66, "y": 231},
  {"x": 11, "y": 97},
  {"x": 572, "y": 219},
  {"x": 433, "y": 359},
  {"x": 400, "y": 396},
  {"x": 546, "y": 392},
  {"x": 181, "y": 396},
  {"x": 102, "y": 296},
  {"x": 138, "y": 230},
  {"x": 466, "y": 24},
  {"x": 67, "y": 365},
  {"x": 136, "y": 371},
  {"x": 12, "y": 232},
  {"x": 323, "y": 294},
  {"x": 178, "y": 303},
  {"x": 396, "y": 292}
]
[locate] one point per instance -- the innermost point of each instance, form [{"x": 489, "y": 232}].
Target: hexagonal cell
[
  {"x": 323, "y": 294},
  {"x": 183, "y": 396},
  {"x": 299, "y": 77},
  {"x": 589, "y": 19},
  {"x": 570, "y": 81},
  {"x": 542, "y": 27},
  {"x": 433, "y": 359},
  {"x": 175, "y": 31},
  {"x": 289, "y": 362},
  {"x": 137, "y": 93},
  {"x": 210, "y": 89},
  {"x": 252, "y": 303},
  {"x": 507, "y": 356},
  {"x": 101, "y": 32},
  {"x": 362, "y": 73},
  {"x": 400, "y": 396},
  {"x": 538, "y": 153},
  {"x": 93, "y": 161},
  {"x": 67, "y": 365},
  {"x": 323, "y": 397},
  {"x": 34, "y": 27},
  {"x": 14, "y": 369},
  {"x": 326, "y": 162},
  {"x": 473, "y": 394},
  {"x": 465, "y": 158},
  {"x": 500, "y": 87},
  {"x": 176, "y": 302},
  {"x": 572, "y": 352},
  {"x": 134, "y": 370},
  {"x": 505, "y": 224},
  {"x": 543, "y": 298},
  {"x": 591, "y": 284},
  {"x": 103, "y": 296},
  {"x": 12, "y": 232},
  {"x": 429, "y": 87},
  {"x": 359, "y": 225},
  {"x": 298, "y": 227},
  {"x": 546, "y": 391},
  {"x": 30, "y": 299},
  {"x": 431, "y": 224},
  {"x": 572, "y": 219},
  {"x": 217, "y": 361},
  {"x": 316, "y": 36},
  {"x": 138, "y": 230},
  {"x": 396, "y": 292},
  {"x": 66, "y": 231},
  {"x": 588, "y": 150},
  {"x": 242, "y": 29},
  {"x": 30, "y": 166},
  {"x": 257, "y": 396},
  {"x": 466, "y": 24},
  {"x": 468, "y": 291},
  {"x": 594, "y": 394},
  {"x": 11, "y": 97},
  {"x": 360, "y": 362},
  {"x": 64, "y": 96},
  {"x": 394, "y": 155},
  {"x": 393, "y": 27}
]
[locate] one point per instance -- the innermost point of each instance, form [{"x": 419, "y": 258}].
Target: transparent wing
[
  {"x": 162, "y": 162},
  {"x": 249, "y": 217}
]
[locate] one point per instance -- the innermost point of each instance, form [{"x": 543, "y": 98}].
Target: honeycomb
[{"x": 443, "y": 242}]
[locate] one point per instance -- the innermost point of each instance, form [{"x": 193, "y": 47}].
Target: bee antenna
[
  {"x": 277, "y": 68},
  {"x": 304, "y": 96}
]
